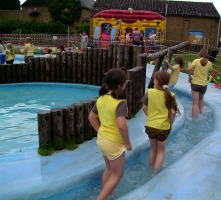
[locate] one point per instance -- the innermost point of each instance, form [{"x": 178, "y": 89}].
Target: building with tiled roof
[{"x": 183, "y": 17}]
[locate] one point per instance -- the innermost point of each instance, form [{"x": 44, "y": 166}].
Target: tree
[
  {"x": 65, "y": 11},
  {"x": 9, "y": 5}
]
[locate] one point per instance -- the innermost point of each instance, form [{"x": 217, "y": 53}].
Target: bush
[{"x": 32, "y": 27}]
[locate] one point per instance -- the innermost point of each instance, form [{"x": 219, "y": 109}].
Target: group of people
[{"x": 109, "y": 115}]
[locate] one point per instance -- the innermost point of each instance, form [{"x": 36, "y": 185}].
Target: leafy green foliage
[
  {"x": 9, "y": 5},
  {"x": 84, "y": 28},
  {"x": 32, "y": 27},
  {"x": 71, "y": 146},
  {"x": 65, "y": 11},
  {"x": 45, "y": 151}
]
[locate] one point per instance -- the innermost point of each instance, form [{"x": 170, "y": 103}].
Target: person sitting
[{"x": 49, "y": 54}]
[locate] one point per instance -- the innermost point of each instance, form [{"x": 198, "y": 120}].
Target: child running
[
  {"x": 9, "y": 54},
  {"x": 174, "y": 74},
  {"x": 159, "y": 104},
  {"x": 108, "y": 117}
]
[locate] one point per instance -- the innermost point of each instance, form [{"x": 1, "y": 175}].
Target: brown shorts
[{"x": 160, "y": 135}]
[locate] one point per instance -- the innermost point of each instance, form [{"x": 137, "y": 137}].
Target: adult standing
[
  {"x": 199, "y": 81},
  {"x": 136, "y": 37},
  {"x": 29, "y": 49},
  {"x": 2, "y": 53}
]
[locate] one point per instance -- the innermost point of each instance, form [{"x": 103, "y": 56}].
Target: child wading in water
[
  {"x": 159, "y": 104},
  {"x": 108, "y": 117},
  {"x": 174, "y": 74}
]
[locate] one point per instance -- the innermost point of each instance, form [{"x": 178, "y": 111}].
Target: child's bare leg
[
  {"x": 107, "y": 172},
  {"x": 195, "y": 106},
  {"x": 161, "y": 146},
  {"x": 117, "y": 170},
  {"x": 153, "y": 151},
  {"x": 201, "y": 102}
]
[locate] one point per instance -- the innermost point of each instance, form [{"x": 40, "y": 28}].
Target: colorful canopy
[{"x": 129, "y": 17}]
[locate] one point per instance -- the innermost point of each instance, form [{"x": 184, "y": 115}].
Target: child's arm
[
  {"x": 123, "y": 128},
  {"x": 93, "y": 118},
  {"x": 168, "y": 64},
  {"x": 189, "y": 72},
  {"x": 145, "y": 108},
  {"x": 172, "y": 117}
]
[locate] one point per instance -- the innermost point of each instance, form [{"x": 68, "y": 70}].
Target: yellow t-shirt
[
  {"x": 106, "y": 107},
  {"x": 157, "y": 111},
  {"x": 174, "y": 74},
  {"x": 9, "y": 55},
  {"x": 30, "y": 49},
  {"x": 201, "y": 72}
]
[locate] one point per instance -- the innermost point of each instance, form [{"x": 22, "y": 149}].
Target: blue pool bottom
[{"x": 195, "y": 176}]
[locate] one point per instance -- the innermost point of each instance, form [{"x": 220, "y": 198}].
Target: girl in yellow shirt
[
  {"x": 9, "y": 54},
  {"x": 29, "y": 50},
  {"x": 174, "y": 74},
  {"x": 199, "y": 82},
  {"x": 159, "y": 104},
  {"x": 108, "y": 117}
]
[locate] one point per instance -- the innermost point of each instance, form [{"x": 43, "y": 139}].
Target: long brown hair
[
  {"x": 204, "y": 55},
  {"x": 114, "y": 80},
  {"x": 163, "y": 78},
  {"x": 179, "y": 61}
]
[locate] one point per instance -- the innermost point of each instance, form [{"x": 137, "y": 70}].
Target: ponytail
[
  {"x": 103, "y": 90},
  {"x": 170, "y": 101},
  {"x": 203, "y": 61},
  {"x": 119, "y": 93}
]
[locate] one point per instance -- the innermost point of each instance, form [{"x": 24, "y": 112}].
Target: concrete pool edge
[
  {"x": 197, "y": 174},
  {"x": 26, "y": 175}
]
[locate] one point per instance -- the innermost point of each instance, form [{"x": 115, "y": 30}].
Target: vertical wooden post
[
  {"x": 129, "y": 94},
  {"x": 53, "y": 69},
  {"x": 26, "y": 72},
  {"x": 87, "y": 125},
  {"x": 104, "y": 63},
  {"x": 134, "y": 56},
  {"x": 20, "y": 73},
  {"x": 3, "y": 73},
  {"x": 80, "y": 67},
  {"x": 120, "y": 56},
  {"x": 69, "y": 67},
  {"x": 114, "y": 61},
  {"x": 57, "y": 128},
  {"x": 110, "y": 57},
  {"x": 79, "y": 121},
  {"x": 31, "y": 70},
  {"x": 99, "y": 66},
  {"x": 14, "y": 73},
  {"x": 93, "y": 100},
  {"x": 127, "y": 58},
  {"x": 48, "y": 69},
  {"x": 44, "y": 129},
  {"x": 64, "y": 67},
  {"x": 90, "y": 65},
  {"x": 9, "y": 74},
  {"x": 94, "y": 69},
  {"x": 85, "y": 66},
  {"x": 58, "y": 67},
  {"x": 42, "y": 70},
  {"x": 37, "y": 69},
  {"x": 69, "y": 124},
  {"x": 74, "y": 68}
]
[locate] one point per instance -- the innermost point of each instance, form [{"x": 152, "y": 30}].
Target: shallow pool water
[
  {"x": 20, "y": 58},
  {"x": 19, "y": 104},
  {"x": 138, "y": 171}
]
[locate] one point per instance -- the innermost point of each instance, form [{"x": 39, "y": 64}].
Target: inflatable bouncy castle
[{"x": 114, "y": 25}]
